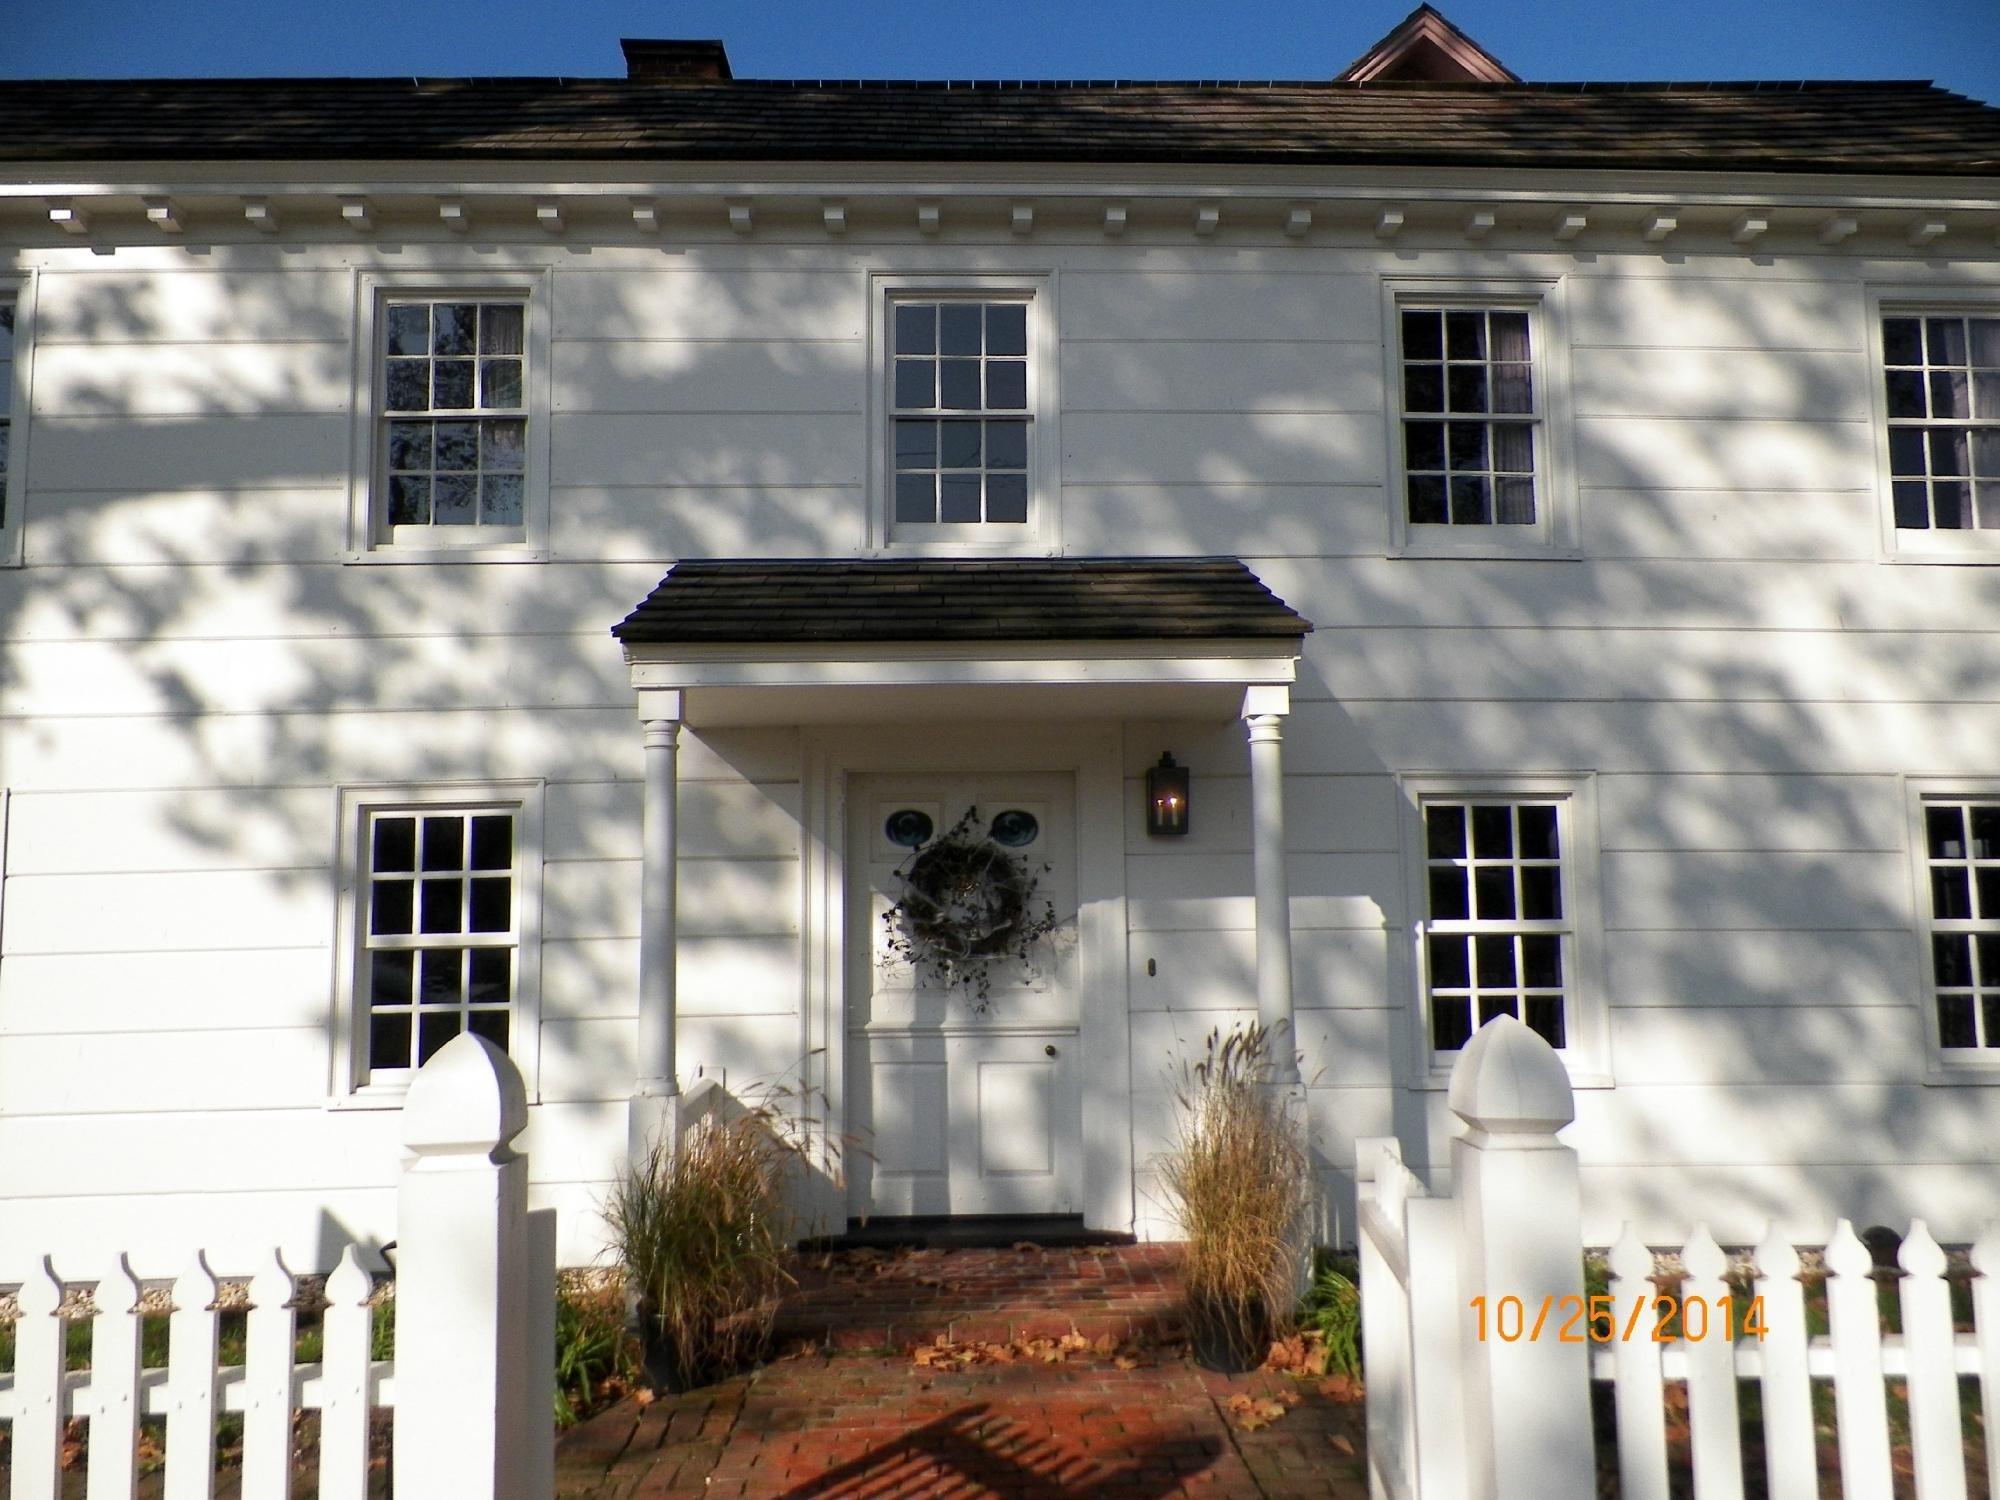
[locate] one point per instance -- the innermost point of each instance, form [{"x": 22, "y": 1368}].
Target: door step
[{"x": 967, "y": 1232}]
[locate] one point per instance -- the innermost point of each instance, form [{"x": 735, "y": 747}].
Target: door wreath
[{"x": 967, "y": 909}]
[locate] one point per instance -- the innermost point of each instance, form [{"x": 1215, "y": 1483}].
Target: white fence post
[
  {"x": 1860, "y": 1402},
  {"x": 191, "y": 1405},
  {"x": 1935, "y": 1421},
  {"x": 38, "y": 1387},
  {"x": 1636, "y": 1387},
  {"x": 1527, "y": 1418},
  {"x": 1786, "y": 1383},
  {"x": 465, "y": 1395},
  {"x": 111, "y": 1473}
]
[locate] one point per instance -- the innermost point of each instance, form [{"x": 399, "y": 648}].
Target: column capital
[
  {"x": 661, "y": 734},
  {"x": 1266, "y": 700}
]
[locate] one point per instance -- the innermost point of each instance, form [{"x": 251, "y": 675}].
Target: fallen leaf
[
  {"x": 1340, "y": 1445},
  {"x": 1126, "y": 1362},
  {"x": 643, "y": 1397},
  {"x": 1027, "y": 1247},
  {"x": 1107, "y": 1344}
]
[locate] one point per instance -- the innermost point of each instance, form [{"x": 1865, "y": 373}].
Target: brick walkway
[{"x": 852, "y": 1413}]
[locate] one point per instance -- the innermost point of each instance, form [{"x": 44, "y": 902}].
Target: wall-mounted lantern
[{"x": 1166, "y": 798}]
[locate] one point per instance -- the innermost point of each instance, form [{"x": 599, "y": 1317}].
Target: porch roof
[
  {"x": 996, "y": 600},
  {"x": 737, "y": 642}
]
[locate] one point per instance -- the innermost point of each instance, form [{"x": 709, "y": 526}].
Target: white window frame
[
  {"x": 1554, "y": 533},
  {"x": 1979, "y": 1065},
  {"x": 1587, "y": 1053},
  {"x": 1042, "y": 535},
  {"x": 1933, "y": 545},
  {"x": 19, "y": 289},
  {"x": 368, "y": 532},
  {"x": 351, "y": 1085}
]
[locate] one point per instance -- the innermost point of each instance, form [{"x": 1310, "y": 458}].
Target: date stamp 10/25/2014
[{"x": 1596, "y": 1319}]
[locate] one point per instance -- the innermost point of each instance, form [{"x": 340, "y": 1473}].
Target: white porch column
[
  {"x": 655, "y": 1096},
  {"x": 1264, "y": 710}
]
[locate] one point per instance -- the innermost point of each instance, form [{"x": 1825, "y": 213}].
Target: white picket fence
[
  {"x": 472, "y": 1384},
  {"x": 1489, "y": 1399}
]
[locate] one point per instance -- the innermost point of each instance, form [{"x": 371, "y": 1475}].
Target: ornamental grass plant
[
  {"x": 703, "y": 1234},
  {"x": 1240, "y": 1174}
]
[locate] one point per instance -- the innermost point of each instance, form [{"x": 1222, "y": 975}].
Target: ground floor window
[
  {"x": 1959, "y": 905},
  {"x": 444, "y": 907}
]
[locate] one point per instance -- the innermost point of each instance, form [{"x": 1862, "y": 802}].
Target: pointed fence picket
[
  {"x": 465, "y": 1109},
  {"x": 1512, "y": 1093}
]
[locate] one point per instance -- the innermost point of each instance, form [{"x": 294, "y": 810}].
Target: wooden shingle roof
[
  {"x": 916, "y": 600},
  {"x": 1784, "y": 127}
]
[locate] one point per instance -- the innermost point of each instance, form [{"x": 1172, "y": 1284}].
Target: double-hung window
[
  {"x": 442, "y": 921},
  {"x": 451, "y": 463},
  {"x": 1477, "y": 437},
  {"x": 1504, "y": 910},
  {"x": 963, "y": 461},
  {"x": 1956, "y": 836},
  {"x": 1941, "y": 393}
]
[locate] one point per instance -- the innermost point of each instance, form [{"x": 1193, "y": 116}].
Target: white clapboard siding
[
  {"x": 598, "y": 978},
  {"x": 1721, "y": 1046},
  {"x": 1733, "y": 891},
  {"x": 723, "y": 302},
  {"x": 1335, "y": 515},
  {"x": 1737, "y": 1196},
  {"x": 1323, "y": 815},
  {"x": 709, "y": 448},
  {"x": 600, "y": 898},
  {"x": 1129, "y": 305},
  {"x": 1884, "y": 1123},
  {"x": 1222, "y": 447},
  {"x": 125, "y": 832},
  {"x": 191, "y": 379},
  {"x": 1763, "y": 969},
  {"x": 714, "y": 375},
  {"x": 1342, "y": 1048},
  {"x": 1799, "y": 385},
  {"x": 136, "y": 1069},
  {"x": 169, "y": 301},
  {"x": 156, "y": 993},
  {"x": 182, "y": 912},
  {"x": 1197, "y": 375},
  {"x": 1332, "y": 969},
  {"x": 1809, "y": 311},
  {"x": 1688, "y": 812},
  {"x": 1725, "y": 526},
  {"x": 113, "y": 453},
  {"x": 601, "y": 819},
  {"x": 645, "y": 521},
  {"x": 172, "y": 520}
]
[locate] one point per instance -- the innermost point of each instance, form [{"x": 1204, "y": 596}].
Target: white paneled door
[{"x": 962, "y": 1107}]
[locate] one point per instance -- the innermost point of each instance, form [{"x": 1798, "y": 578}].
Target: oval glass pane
[
  {"x": 1014, "y": 828},
  {"x": 907, "y": 828}
]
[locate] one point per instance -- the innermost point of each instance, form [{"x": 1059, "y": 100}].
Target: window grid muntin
[
  {"x": 1941, "y": 391},
  {"x": 1962, "y": 920},
  {"x": 448, "y": 845},
  {"x": 958, "y": 457},
  {"x": 1454, "y": 471},
  {"x": 1459, "y": 1001},
  {"x": 489, "y": 427}
]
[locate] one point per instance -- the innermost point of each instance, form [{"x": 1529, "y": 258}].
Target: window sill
[
  {"x": 1943, "y": 1075},
  {"x": 502, "y": 554},
  {"x": 385, "y": 1096},
  {"x": 1437, "y": 1081},
  {"x": 1485, "y": 548},
  {"x": 1984, "y": 554}
]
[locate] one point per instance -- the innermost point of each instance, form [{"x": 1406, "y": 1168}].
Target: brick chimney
[{"x": 675, "y": 61}]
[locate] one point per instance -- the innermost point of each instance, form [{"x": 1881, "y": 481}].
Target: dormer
[{"x": 1426, "y": 48}]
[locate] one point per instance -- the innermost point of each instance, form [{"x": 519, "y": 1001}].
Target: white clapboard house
[{"x": 553, "y": 557}]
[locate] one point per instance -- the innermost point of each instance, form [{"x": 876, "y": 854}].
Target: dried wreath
[{"x": 967, "y": 906}]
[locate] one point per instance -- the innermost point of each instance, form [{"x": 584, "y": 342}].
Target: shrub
[
  {"x": 593, "y": 1348},
  {"x": 1240, "y": 1174},
  {"x": 1332, "y": 1309},
  {"x": 702, "y": 1234}
]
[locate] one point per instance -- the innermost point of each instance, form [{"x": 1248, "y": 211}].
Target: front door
[{"x": 964, "y": 1092}]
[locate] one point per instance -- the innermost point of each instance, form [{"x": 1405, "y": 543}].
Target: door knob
[{"x": 1050, "y": 1050}]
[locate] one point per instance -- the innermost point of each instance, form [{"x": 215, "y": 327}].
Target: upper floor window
[
  {"x": 1469, "y": 416},
  {"x": 964, "y": 460},
  {"x": 1477, "y": 432},
  {"x": 453, "y": 462},
  {"x": 1941, "y": 382}
]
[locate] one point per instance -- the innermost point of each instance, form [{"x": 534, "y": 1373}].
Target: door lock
[{"x": 1050, "y": 1050}]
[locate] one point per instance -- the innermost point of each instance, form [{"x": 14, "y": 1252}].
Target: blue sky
[{"x": 1956, "y": 42}]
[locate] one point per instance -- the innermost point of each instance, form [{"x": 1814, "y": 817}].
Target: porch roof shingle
[{"x": 720, "y": 602}]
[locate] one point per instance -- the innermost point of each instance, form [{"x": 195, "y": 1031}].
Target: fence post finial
[
  {"x": 1509, "y": 1082},
  {"x": 467, "y": 1100}
]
